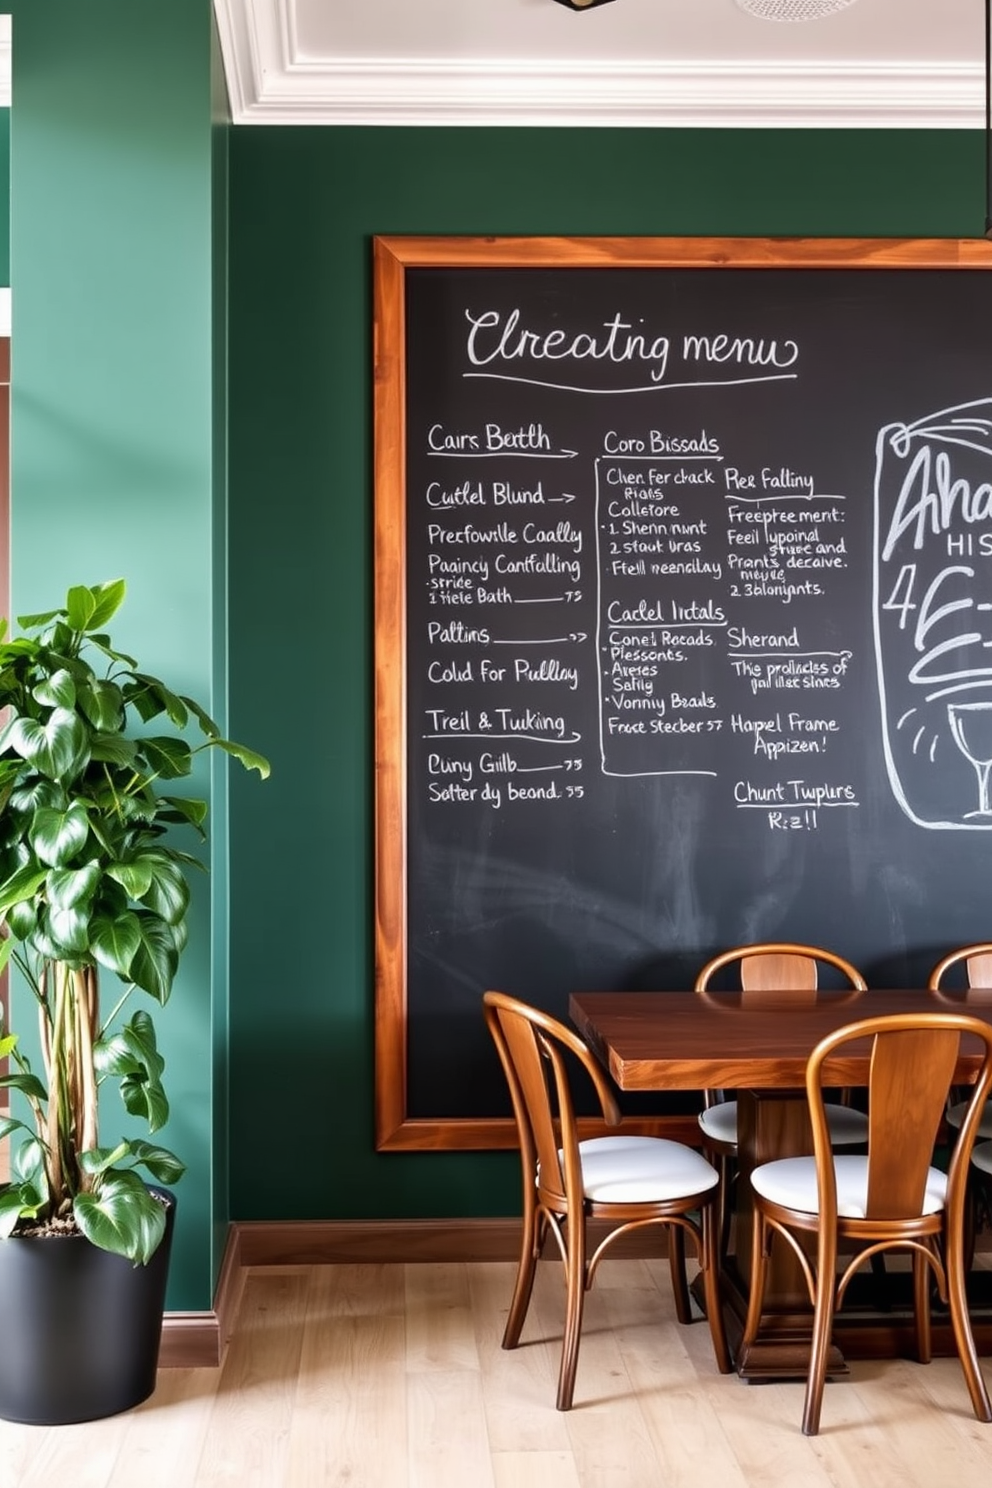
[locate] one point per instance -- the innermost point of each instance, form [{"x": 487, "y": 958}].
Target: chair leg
[
  {"x": 961, "y": 1323},
  {"x": 575, "y": 1290},
  {"x": 712, "y": 1292},
  {"x": 823, "y": 1318},
  {"x": 725, "y": 1166},
  {"x": 676, "y": 1265},
  {"x": 921, "y": 1307},
  {"x": 973, "y": 1201},
  {"x": 760, "y": 1241},
  {"x": 532, "y": 1242},
  {"x": 728, "y": 1187}
]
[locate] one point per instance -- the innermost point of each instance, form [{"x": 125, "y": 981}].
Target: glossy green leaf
[
  {"x": 167, "y": 701},
  {"x": 23, "y": 884},
  {"x": 96, "y": 1160},
  {"x": 102, "y": 703},
  {"x": 28, "y": 1169},
  {"x": 108, "y": 598},
  {"x": 22, "y": 919},
  {"x": 56, "y": 691},
  {"x": 58, "y": 834},
  {"x": 184, "y": 808},
  {"x": 156, "y": 958},
  {"x": 79, "y": 607},
  {"x": 112, "y": 749},
  {"x": 133, "y": 1047},
  {"x": 57, "y": 748},
  {"x": 168, "y": 758},
  {"x": 27, "y": 1083},
  {"x": 123, "y": 1217},
  {"x": 168, "y": 892},
  {"x": 247, "y": 757},
  {"x": 162, "y": 1164},
  {"x": 69, "y": 930},
  {"x": 116, "y": 941},
  {"x": 19, "y": 1201},
  {"x": 145, "y": 1099},
  {"x": 35, "y": 622},
  {"x": 67, "y": 887},
  {"x": 135, "y": 877}
]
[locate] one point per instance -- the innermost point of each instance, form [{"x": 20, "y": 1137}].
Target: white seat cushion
[
  {"x": 720, "y": 1121},
  {"x": 848, "y": 1128},
  {"x": 635, "y": 1170},
  {"x": 982, "y": 1157},
  {"x": 956, "y": 1115},
  {"x": 792, "y": 1181}
]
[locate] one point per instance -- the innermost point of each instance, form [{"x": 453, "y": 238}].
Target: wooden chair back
[
  {"x": 913, "y": 1062},
  {"x": 532, "y": 1047},
  {"x": 977, "y": 961},
  {"x": 779, "y": 966}
]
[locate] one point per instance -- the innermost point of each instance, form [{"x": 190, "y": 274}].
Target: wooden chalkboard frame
[{"x": 393, "y": 257}]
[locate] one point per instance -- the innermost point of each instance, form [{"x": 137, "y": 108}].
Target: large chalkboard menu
[{"x": 683, "y": 626}]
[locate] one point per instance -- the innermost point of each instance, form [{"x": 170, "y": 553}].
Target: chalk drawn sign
[
  {"x": 933, "y": 613},
  {"x": 683, "y": 627}
]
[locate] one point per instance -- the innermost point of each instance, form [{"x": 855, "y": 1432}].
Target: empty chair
[
  {"x": 772, "y": 966},
  {"x": 976, "y": 961},
  {"x": 777, "y": 966},
  {"x": 888, "y": 1198},
  {"x": 628, "y": 1181}
]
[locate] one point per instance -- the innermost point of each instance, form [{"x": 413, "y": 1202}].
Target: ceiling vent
[{"x": 793, "y": 10}]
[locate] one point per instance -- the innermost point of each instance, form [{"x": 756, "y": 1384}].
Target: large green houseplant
[{"x": 92, "y": 881}]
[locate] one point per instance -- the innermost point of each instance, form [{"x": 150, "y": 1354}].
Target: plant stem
[
  {"x": 57, "y": 1092},
  {"x": 86, "y": 999}
]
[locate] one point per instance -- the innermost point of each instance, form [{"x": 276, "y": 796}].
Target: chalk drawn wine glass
[{"x": 971, "y": 730}]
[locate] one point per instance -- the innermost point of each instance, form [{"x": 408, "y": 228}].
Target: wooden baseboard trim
[
  {"x": 198, "y": 1340},
  {"x": 398, "y": 1241},
  {"x": 384, "y": 1241}
]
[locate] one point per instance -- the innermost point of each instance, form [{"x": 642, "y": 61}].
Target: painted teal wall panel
[
  {"x": 304, "y": 206},
  {"x": 5, "y": 196},
  {"x": 113, "y": 403}
]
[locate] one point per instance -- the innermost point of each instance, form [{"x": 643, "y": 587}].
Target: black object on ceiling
[{"x": 582, "y": 4}]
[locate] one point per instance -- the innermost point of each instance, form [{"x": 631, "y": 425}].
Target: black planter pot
[{"x": 80, "y": 1329}]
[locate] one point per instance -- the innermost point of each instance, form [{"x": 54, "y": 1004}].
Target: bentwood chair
[
  {"x": 976, "y": 961},
  {"x": 890, "y": 1198},
  {"x": 627, "y": 1181},
  {"x": 773, "y": 966}
]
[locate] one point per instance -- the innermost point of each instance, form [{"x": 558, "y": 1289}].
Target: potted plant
[{"x": 91, "y": 882}]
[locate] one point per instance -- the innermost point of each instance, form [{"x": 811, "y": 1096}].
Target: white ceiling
[{"x": 885, "y": 63}]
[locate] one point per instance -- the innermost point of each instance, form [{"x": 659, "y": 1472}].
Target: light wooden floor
[{"x": 392, "y": 1377}]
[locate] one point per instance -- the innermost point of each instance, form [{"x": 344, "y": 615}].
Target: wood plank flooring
[{"x": 391, "y": 1376}]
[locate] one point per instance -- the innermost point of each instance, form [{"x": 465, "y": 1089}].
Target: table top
[{"x": 753, "y": 1040}]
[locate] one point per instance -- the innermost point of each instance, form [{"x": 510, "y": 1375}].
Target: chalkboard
[{"x": 683, "y": 626}]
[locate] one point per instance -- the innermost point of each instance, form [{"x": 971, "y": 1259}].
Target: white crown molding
[{"x": 270, "y": 82}]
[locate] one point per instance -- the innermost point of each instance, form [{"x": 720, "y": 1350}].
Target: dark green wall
[{"x": 304, "y": 206}]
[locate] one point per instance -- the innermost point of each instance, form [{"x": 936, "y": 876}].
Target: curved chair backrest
[
  {"x": 914, "y": 1057},
  {"x": 977, "y": 961},
  {"x": 531, "y": 1047},
  {"x": 779, "y": 966}
]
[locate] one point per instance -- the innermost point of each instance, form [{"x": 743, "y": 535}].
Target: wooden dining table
[{"x": 756, "y": 1045}]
